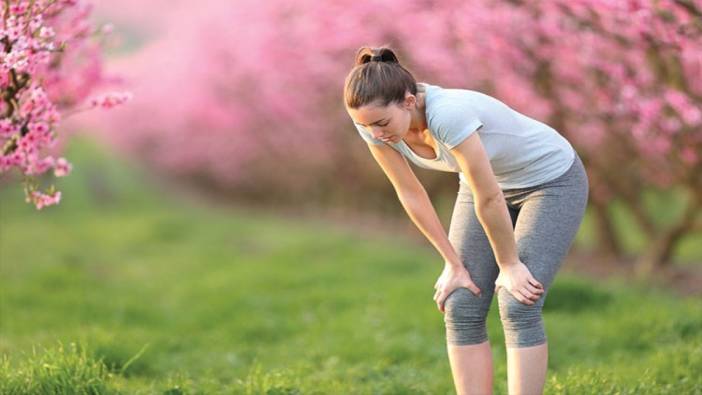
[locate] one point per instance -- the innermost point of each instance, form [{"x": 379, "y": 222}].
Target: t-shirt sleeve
[
  {"x": 453, "y": 123},
  {"x": 367, "y": 136}
]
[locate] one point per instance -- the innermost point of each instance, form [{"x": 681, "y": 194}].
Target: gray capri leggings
[{"x": 546, "y": 218}]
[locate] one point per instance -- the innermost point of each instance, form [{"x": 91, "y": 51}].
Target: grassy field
[{"x": 123, "y": 289}]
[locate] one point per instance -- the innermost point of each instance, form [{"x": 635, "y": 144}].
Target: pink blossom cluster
[
  {"x": 42, "y": 200},
  {"x": 48, "y": 65}
]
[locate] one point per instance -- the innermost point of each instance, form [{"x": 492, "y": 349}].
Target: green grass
[
  {"x": 123, "y": 289},
  {"x": 56, "y": 370}
]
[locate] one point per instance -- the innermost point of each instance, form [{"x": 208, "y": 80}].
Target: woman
[{"x": 522, "y": 195}]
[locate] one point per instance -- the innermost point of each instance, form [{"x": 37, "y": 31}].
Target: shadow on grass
[{"x": 575, "y": 297}]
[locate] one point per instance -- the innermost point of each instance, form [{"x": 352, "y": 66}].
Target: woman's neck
[{"x": 418, "y": 123}]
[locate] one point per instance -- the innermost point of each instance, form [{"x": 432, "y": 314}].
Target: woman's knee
[
  {"x": 523, "y": 324},
  {"x": 464, "y": 317}
]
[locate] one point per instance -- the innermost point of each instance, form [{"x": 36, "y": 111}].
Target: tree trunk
[
  {"x": 660, "y": 251},
  {"x": 607, "y": 241}
]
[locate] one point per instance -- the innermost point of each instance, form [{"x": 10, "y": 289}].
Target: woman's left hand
[{"x": 518, "y": 280}]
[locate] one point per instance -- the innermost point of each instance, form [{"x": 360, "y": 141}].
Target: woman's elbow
[{"x": 489, "y": 199}]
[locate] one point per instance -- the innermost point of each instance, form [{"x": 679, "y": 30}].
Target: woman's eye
[{"x": 382, "y": 126}]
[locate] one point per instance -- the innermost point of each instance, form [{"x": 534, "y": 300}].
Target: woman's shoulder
[
  {"x": 438, "y": 98},
  {"x": 441, "y": 102},
  {"x": 450, "y": 114}
]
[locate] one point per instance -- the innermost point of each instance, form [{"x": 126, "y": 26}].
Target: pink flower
[
  {"x": 37, "y": 167},
  {"x": 62, "y": 167},
  {"x": 18, "y": 9},
  {"x": 6, "y": 162},
  {"x": 46, "y": 32},
  {"x": 42, "y": 200},
  {"x": 39, "y": 127},
  {"x": 7, "y": 128}
]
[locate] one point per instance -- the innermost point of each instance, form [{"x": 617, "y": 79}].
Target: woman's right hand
[{"x": 453, "y": 276}]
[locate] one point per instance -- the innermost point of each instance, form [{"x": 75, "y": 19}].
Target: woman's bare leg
[
  {"x": 471, "y": 367},
  {"x": 526, "y": 369}
]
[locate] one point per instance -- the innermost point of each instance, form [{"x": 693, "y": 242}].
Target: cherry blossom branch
[{"x": 33, "y": 75}]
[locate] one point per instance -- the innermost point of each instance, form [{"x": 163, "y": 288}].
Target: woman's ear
[{"x": 410, "y": 100}]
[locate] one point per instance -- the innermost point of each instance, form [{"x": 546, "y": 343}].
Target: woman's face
[{"x": 386, "y": 123}]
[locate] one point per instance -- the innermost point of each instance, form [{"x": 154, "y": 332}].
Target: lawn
[{"x": 125, "y": 289}]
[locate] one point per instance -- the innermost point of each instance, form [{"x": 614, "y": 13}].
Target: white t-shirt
[{"x": 523, "y": 152}]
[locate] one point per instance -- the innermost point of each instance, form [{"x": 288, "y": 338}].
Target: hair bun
[
  {"x": 384, "y": 79},
  {"x": 381, "y": 54}
]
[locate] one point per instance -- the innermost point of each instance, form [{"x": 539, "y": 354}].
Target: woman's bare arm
[
  {"x": 490, "y": 205},
  {"x": 415, "y": 200}
]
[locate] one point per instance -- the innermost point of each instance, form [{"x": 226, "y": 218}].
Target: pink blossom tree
[
  {"x": 49, "y": 64},
  {"x": 248, "y": 96}
]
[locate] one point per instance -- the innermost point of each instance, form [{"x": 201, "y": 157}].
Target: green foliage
[{"x": 172, "y": 298}]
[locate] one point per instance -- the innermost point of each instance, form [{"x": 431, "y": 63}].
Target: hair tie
[{"x": 376, "y": 58}]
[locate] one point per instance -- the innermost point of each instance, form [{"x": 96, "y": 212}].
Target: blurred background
[{"x": 227, "y": 230}]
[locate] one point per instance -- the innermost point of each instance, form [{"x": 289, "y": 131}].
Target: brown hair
[{"x": 377, "y": 75}]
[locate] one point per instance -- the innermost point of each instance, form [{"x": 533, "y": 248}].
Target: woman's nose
[{"x": 376, "y": 132}]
